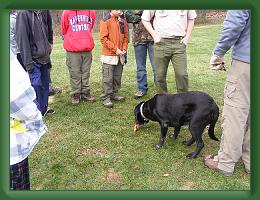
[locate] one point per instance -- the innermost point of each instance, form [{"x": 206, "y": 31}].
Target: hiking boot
[
  {"x": 107, "y": 103},
  {"x": 75, "y": 99},
  {"x": 87, "y": 98},
  {"x": 118, "y": 98},
  {"x": 139, "y": 94}
]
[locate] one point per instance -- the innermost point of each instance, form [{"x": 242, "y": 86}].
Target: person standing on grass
[
  {"x": 235, "y": 140},
  {"x": 32, "y": 40},
  {"x": 114, "y": 40},
  {"x": 76, "y": 28},
  {"x": 171, "y": 32},
  {"x": 26, "y": 125},
  {"x": 143, "y": 44}
]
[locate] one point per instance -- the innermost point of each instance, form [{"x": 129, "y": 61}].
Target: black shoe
[{"x": 49, "y": 112}]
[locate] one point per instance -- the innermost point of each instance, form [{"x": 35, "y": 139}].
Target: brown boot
[
  {"x": 75, "y": 99},
  {"x": 87, "y": 98}
]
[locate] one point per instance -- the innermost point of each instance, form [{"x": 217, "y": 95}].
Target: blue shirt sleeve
[{"x": 233, "y": 26}]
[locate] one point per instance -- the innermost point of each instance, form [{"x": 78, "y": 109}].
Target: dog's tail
[{"x": 213, "y": 122}]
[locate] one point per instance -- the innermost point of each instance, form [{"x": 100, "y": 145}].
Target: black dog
[{"x": 197, "y": 109}]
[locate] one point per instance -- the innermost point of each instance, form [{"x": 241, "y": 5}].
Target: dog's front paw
[{"x": 191, "y": 155}]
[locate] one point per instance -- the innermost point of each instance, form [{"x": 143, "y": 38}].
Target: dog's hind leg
[
  {"x": 176, "y": 132},
  {"x": 199, "y": 147},
  {"x": 196, "y": 133},
  {"x": 189, "y": 142},
  {"x": 164, "y": 129}
]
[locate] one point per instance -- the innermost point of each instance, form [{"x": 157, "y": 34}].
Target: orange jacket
[{"x": 113, "y": 35}]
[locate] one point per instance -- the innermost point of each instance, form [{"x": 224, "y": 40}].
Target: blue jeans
[
  {"x": 40, "y": 82},
  {"x": 140, "y": 57}
]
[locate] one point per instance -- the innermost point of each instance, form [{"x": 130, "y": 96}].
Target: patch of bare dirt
[
  {"x": 94, "y": 151},
  {"x": 110, "y": 176}
]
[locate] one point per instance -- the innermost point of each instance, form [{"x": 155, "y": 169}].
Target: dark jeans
[
  {"x": 141, "y": 51},
  {"x": 40, "y": 82}
]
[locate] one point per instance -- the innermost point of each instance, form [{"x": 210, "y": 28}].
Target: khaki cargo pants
[
  {"x": 171, "y": 50},
  {"x": 111, "y": 83},
  {"x": 235, "y": 139},
  {"x": 79, "y": 64}
]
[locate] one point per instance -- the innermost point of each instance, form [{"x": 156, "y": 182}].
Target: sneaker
[
  {"x": 75, "y": 99},
  {"x": 87, "y": 98},
  {"x": 139, "y": 94},
  {"x": 107, "y": 103},
  {"x": 118, "y": 98}
]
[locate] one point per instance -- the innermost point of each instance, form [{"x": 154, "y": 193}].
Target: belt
[{"x": 175, "y": 37}]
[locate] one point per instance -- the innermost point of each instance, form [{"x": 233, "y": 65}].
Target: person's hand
[
  {"x": 217, "y": 62},
  {"x": 119, "y": 52},
  {"x": 156, "y": 38},
  {"x": 185, "y": 41}
]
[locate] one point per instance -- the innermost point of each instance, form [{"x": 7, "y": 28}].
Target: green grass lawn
[{"x": 89, "y": 147}]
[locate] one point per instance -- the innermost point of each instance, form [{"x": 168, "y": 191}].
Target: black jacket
[{"x": 34, "y": 37}]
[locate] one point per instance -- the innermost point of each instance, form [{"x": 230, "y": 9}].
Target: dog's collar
[{"x": 142, "y": 114}]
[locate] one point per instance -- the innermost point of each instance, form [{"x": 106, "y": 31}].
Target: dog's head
[{"x": 139, "y": 119}]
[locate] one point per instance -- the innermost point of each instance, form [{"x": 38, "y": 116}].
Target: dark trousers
[
  {"x": 40, "y": 82},
  {"x": 19, "y": 176}
]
